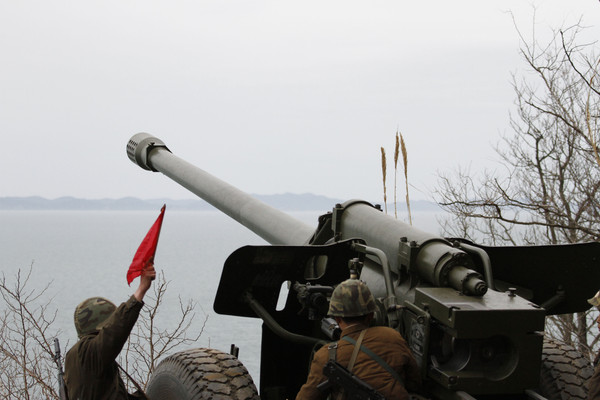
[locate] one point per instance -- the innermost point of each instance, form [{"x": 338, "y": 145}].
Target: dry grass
[
  {"x": 384, "y": 173},
  {"x": 396, "y": 153},
  {"x": 400, "y": 148},
  {"x": 405, "y": 162}
]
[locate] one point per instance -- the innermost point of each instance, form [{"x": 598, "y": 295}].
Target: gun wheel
[
  {"x": 201, "y": 374},
  {"x": 565, "y": 372}
]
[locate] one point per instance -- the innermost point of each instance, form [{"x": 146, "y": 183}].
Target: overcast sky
[{"x": 272, "y": 96}]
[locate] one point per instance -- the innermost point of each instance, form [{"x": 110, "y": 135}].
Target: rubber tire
[
  {"x": 565, "y": 372},
  {"x": 201, "y": 374}
]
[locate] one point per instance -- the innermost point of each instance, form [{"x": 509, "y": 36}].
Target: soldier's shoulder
[
  {"x": 82, "y": 345},
  {"x": 322, "y": 355},
  {"x": 384, "y": 331},
  {"x": 73, "y": 355}
]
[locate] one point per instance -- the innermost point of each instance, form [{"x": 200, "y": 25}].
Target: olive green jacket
[
  {"x": 91, "y": 372},
  {"x": 383, "y": 341}
]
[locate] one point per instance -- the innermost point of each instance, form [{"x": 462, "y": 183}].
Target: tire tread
[
  {"x": 202, "y": 374},
  {"x": 565, "y": 372}
]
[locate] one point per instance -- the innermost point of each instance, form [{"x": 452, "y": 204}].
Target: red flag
[{"x": 146, "y": 250}]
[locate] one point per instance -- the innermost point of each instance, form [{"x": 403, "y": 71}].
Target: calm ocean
[{"x": 87, "y": 253}]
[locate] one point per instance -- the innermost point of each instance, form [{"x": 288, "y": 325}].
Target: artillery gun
[{"x": 473, "y": 316}]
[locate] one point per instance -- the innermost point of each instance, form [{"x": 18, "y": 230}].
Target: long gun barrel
[
  {"x": 438, "y": 264},
  {"x": 267, "y": 222},
  {"x": 433, "y": 258}
]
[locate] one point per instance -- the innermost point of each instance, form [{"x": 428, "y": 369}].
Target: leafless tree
[
  {"x": 27, "y": 330},
  {"x": 26, "y": 338},
  {"x": 149, "y": 341},
  {"x": 547, "y": 189}
]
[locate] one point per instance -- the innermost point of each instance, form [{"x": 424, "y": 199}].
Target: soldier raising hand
[{"x": 91, "y": 371}]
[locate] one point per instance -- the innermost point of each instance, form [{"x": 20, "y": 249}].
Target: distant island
[{"x": 286, "y": 202}]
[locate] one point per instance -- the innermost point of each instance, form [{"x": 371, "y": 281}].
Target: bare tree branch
[
  {"x": 149, "y": 342},
  {"x": 26, "y": 337},
  {"x": 547, "y": 191}
]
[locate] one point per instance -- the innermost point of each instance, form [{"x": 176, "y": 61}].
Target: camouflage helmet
[
  {"x": 91, "y": 313},
  {"x": 351, "y": 298}
]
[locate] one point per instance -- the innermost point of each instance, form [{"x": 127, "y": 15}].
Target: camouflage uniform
[
  {"x": 352, "y": 298},
  {"x": 91, "y": 371},
  {"x": 383, "y": 341}
]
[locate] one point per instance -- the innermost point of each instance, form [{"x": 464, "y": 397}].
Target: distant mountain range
[{"x": 286, "y": 202}]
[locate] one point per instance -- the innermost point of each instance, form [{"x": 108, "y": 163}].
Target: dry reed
[
  {"x": 396, "y": 151},
  {"x": 383, "y": 171},
  {"x": 405, "y": 161}
]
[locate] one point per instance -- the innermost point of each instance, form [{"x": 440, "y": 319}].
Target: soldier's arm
[
  {"x": 146, "y": 278},
  {"x": 412, "y": 374},
  {"x": 110, "y": 340},
  {"x": 403, "y": 361},
  {"x": 309, "y": 390}
]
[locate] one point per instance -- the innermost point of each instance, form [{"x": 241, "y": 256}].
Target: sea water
[{"x": 80, "y": 254}]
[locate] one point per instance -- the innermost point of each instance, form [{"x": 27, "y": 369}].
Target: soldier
[
  {"x": 384, "y": 359},
  {"x": 91, "y": 371}
]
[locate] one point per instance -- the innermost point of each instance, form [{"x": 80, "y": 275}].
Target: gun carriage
[{"x": 473, "y": 316}]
